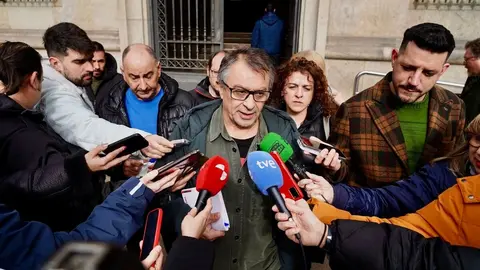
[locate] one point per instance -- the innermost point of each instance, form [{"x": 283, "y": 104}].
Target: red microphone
[{"x": 212, "y": 177}]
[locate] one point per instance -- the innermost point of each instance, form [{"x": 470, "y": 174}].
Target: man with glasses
[
  {"x": 232, "y": 127},
  {"x": 471, "y": 90},
  {"x": 208, "y": 88}
]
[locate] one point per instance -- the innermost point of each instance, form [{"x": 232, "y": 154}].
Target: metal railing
[{"x": 356, "y": 83}]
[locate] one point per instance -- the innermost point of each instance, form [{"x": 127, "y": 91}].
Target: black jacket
[
  {"x": 111, "y": 80},
  {"x": 471, "y": 96},
  {"x": 42, "y": 176},
  {"x": 174, "y": 104},
  {"x": 189, "y": 253},
  {"x": 200, "y": 93},
  {"x": 372, "y": 246}
]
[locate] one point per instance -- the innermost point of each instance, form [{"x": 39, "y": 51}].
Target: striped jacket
[{"x": 367, "y": 130}]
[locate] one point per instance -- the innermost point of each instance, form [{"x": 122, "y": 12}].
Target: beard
[{"x": 82, "y": 81}]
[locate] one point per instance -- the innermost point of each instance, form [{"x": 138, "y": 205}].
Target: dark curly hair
[{"x": 321, "y": 95}]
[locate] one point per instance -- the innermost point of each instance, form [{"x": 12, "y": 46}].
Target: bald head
[{"x": 141, "y": 71}]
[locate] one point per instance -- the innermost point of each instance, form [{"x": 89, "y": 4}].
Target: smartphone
[
  {"x": 316, "y": 151},
  {"x": 132, "y": 143},
  {"x": 193, "y": 160},
  {"x": 180, "y": 142},
  {"x": 151, "y": 234},
  {"x": 289, "y": 187}
]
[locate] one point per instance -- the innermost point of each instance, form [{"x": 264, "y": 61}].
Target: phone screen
[
  {"x": 150, "y": 234},
  {"x": 194, "y": 159}
]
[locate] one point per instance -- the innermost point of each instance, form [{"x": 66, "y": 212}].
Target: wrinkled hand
[
  {"x": 181, "y": 183},
  {"x": 303, "y": 221},
  {"x": 329, "y": 159},
  {"x": 317, "y": 187},
  {"x": 155, "y": 185},
  {"x": 132, "y": 167},
  {"x": 154, "y": 260},
  {"x": 194, "y": 225},
  {"x": 97, "y": 163},
  {"x": 210, "y": 233},
  {"x": 157, "y": 147}
]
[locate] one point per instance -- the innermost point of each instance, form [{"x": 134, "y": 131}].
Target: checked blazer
[{"x": 367, "y": 130}]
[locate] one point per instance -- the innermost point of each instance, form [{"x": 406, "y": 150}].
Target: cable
[{"x": 303, "y": 252}]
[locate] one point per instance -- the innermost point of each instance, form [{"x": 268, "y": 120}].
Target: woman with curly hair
[{"x": 301, "y": 89}]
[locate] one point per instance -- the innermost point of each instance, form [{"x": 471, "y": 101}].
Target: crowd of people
[{"x": 404, "y": 197}]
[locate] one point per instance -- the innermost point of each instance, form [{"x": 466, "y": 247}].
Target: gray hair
[
  {"x": 257, "y": 59},
  {"x": 147, "y": 49}
]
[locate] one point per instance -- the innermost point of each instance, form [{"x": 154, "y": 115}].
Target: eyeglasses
[
  {"x": 469, "y": 58},
  {"x": 214, "y": 72},
  {"x": 243, "y": 94}
]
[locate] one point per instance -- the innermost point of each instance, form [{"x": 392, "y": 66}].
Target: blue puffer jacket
[
  {"x": 27, "y": 245},
  {"x": 267, "y": 34},
  {"x": 402, "y": 197}
]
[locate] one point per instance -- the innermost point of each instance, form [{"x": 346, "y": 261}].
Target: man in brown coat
[{"x": 404, "y": 121}]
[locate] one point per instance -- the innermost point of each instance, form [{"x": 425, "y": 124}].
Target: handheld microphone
[
  {"x": 212, "y": 177},
  {"x": 267, "y": 176},
  {"x": 274, "y": 142}
]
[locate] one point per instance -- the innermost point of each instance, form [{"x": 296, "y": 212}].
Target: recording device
[
  {"x": 151, "y": 234},
  {"x": 309, "y": 148},
  {"x": 289, "y": 188},
  {"x": 213, "y": 176},
  {"x": 267, "y": 176},
  {"x": 194, "y": 160},
  {"x": 132, "y": 143},
  {"x": 180, "y": 142},
  {"x": 92, "y": 256},
  {"x": 274, "y": 142}
]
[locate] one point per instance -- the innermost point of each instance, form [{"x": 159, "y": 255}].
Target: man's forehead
[
  {"x": 414, "y": 56},
  {"x": 138, "y": 67},
  {"x": 217, "y": 60},
  {"x": 75, "y": 55},
  {"x": 243, "y": 76}
]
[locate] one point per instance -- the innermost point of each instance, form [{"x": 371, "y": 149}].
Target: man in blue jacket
[
  {"x": 27, "y": 245},
  {"x": 267, "y": 34}
]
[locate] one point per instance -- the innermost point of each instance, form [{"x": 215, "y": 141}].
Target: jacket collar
[
  {"x": 382, "y": 109},
  {"x": 202, "y": 89},
  {"x": 110, "y": 67}
]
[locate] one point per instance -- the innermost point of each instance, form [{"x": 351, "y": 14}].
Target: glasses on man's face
[
  {"x": 242, "y": 94},
  {"x": 214, "y": 72},
  {"x": 466, "y": 59}
]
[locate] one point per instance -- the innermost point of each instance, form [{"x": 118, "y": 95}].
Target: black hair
[
  {"x": 270, "y": 7},
  {"x": 63, "y": 36},
  {"x": 474, "y": 46},
  {"x": 17, "y": 61},
  {"x": 431, "y": 37},
  {"x": 98, "y": 46}
]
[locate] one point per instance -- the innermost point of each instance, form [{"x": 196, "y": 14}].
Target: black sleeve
[
  {"x": 190, "y": 253},
  {"x": 38, "y": 169},
  {"x": 364, "y": 245}
]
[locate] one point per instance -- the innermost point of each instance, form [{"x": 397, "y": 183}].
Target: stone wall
[{"x": 357, "y": 35}]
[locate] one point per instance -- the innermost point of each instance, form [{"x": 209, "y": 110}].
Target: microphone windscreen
[
  {"x": 213, "y": 175},
  {"x": 264, "y": 171},
  {"x": 274, "y": 142}
]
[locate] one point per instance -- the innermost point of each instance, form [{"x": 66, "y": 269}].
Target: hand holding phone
[
  {"x": 130, "y": 144},
  {"x": 151, "y": 234}
]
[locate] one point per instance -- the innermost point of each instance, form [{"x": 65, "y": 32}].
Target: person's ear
[
  {"x": 55, "y": 63},
  {"x": 159, "y": 68},
  {"x": 444, "y": 68},
  {"x": 122, "y": 70},
  {"x": 395, "y": 54},
  {"x": 33, "y": 81},
  {"x": 208, "y": 71}
]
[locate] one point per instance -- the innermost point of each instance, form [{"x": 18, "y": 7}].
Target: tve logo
[{"x": 267, "y": 163}]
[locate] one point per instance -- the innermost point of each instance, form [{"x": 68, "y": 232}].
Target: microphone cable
[{"x": 303, "y": 251}]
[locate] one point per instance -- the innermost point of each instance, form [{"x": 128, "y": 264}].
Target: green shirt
[
  {"x": 95, "y": 84},
  {"x": 249, "y": 243},
  {"x": 413, "y": 119}
]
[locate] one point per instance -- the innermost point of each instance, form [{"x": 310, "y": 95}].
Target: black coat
[
  {"x": 314, "y": 122},
  {"x": 471, "y": 96},
  {"x": 201, "y": 93},
  {"x": 173, "y": 105},
  {"x": 42, "y": 176},
  {"x": 189, "y": 253},
  {"x": 372, "y": 246}
]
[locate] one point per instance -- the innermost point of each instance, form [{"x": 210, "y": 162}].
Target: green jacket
[
  {"x": 471, "y": 96},
  {"x": 194, "y": 126}
]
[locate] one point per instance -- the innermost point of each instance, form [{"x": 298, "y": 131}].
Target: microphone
[
  {"x": 212, "y": 177},
  {"x": 274, "y": 142},
  {"x": 267, "y": 176}
]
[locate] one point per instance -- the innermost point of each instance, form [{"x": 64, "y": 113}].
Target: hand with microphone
[
  {"x": 274, "y": 142},
  {"x": 212, "y": 177},
  {"x": 267, "y": 176}
]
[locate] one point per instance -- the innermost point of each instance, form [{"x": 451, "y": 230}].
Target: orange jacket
[{"x": 454, "y": 216}]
